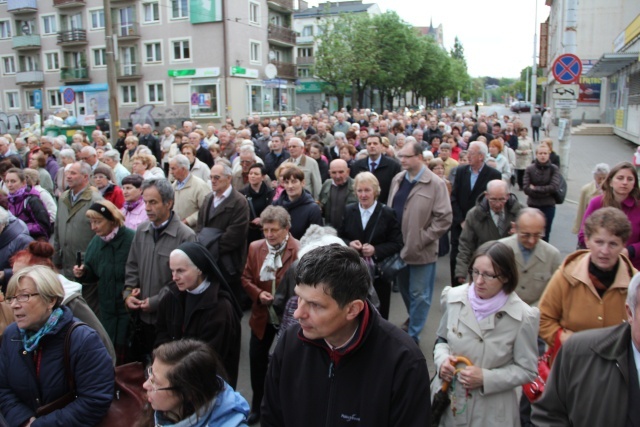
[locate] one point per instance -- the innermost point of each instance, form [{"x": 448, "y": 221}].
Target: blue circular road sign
[{"x": 567, "y": 68}]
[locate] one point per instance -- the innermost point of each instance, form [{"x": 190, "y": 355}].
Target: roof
[
  {"x": 609, "y": 63},
  {"x": 334, "y": 8}
]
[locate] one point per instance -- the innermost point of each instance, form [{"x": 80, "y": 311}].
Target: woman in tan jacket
[{"x": 588, "y": 291}]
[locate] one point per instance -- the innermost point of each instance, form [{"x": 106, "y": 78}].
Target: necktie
[
  {"x": 501, "y": 223},
  {"x": 373, "y": 166}
]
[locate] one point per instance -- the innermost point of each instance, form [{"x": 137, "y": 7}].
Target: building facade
[{"x": 175, "y": 59}]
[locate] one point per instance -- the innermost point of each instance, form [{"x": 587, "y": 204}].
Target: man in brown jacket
[
  {"x": 268, "y": 261},
  {"x": 421, "y": 202}
]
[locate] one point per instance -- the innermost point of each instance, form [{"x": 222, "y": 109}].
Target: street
[{"x": 585, "y": 152}]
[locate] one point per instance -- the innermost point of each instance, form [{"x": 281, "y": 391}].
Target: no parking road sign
[{"x": 567, "y": 68}]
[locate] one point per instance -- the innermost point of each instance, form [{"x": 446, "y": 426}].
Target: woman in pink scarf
[{"x": 489, "y": 324}]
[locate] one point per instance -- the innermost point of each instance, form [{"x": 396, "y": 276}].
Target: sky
[{"x": 497, "y": 35}]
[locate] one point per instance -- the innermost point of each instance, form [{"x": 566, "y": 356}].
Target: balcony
[
  {"x": 127, "y": 32},
  {"x": 25, "y": 42},
  {"x": 74, "y": 75},
  {"x": 286, "y": 70},
  {"x": 281, "y": 5},
  {"x": 21, "y": 7},
  {"x": 29, "y": 78},
  {"x": 304, "y": 40},
  {"x": 305, "y": 60},
  {"x": 68, "y": 4},
  {"x": 72, "y": 38},
  {"x": 129, "y": 71},
  {"x": 281, "y": 36}
]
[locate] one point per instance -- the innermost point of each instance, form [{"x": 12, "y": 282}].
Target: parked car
[{"x": 521, "y": 107}]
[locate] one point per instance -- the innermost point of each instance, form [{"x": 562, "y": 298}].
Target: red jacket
[{"x": 114, "y": 195}]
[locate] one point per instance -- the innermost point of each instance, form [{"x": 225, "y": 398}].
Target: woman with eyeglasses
[
  {"x": 184, "y": 389},
  {"x": 589, "y": 289},
  {"x": 34, "y": 390},
  {"x": 486, "y": 322}
]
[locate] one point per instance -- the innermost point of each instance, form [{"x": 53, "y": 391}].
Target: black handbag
[{"x": 391, "y": 266}]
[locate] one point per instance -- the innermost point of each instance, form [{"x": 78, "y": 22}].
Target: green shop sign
[
  {"x": 194, "y": 72},
  {"x": 310, "y": 87}
]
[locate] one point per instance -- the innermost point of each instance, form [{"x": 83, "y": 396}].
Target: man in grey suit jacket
[{"x": 537, "y": 260}]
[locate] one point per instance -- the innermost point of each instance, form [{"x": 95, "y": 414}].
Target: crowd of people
[{"x": 158, "y": 241}]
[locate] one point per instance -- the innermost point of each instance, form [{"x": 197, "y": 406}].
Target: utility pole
[
  {"x": 111, "y": 57},
  {"x": 526, "y": 91},
  {"x": 534, "y": 67},
  {"x": 569, "y": 38}
]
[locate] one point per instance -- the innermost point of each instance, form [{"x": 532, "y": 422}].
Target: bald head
[
  {"x": 530, "y": 227},
  {"x": 339, "y": 171}
]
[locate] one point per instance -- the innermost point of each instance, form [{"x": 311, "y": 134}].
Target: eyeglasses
[
  {"x": 215, "y": 177},
  {"x": 405, "y": 156},
  {"x": 19, "y": 298},
  {"x": 498, "y": 200},
  {"x": 530, "y": 235},
  {"x": 486, "y": 277},
  {"x": 153, "y": 384}
]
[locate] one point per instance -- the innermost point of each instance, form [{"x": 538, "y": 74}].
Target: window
[
  {"x": 255, "y": 52},
  {"x": 181, "y": 93},
  {"x": 13, "y": 99},
  {"x": 155, "y": 93},
  {"x": 153, "y": 52},
  {"x": 55, "y": 98},
  {"x": 254, "y": 13},
  {"x": 150, "y": 13},
  {"x": 72, "y": 22},
  {"x": 52, "y": 61},
  {"x": 5, "y": 29},
  {"x": 207, "y": 96},
  {"x": 181, "y": 51},
  {"x": 8, "y": 65},
  {"x": 307, "y": 31},
  {"x": 49, "y": 25},
  {"x": 97, "y": 19},
  {"x": 179, "y": 9},
  {"x": 304, "y": 72},
  {"x": 127, "y": 21},
  {"x": 28, "y": 63},
  {"x": 129, "y": 94},
  {"x": 31, "y": 99},
  {"x": 276, "y": 20},
  {"x": 100, "y": 57},
  {"x": 305, "y": 52},
  {"x": 26, "y": 27}
]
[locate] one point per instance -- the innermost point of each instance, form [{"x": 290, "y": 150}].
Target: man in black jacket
[
  {"x": 378, "y": 164},
  {"x": 471, "y": 181},
  {"x": 147, "y": 138},
  {"x": 343, "y": 362}
]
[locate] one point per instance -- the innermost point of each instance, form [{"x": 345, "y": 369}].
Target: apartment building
[{"x": 176, "y": 59}]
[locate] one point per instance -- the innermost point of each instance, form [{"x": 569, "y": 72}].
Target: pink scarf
[{"x": 484, "y": 308}]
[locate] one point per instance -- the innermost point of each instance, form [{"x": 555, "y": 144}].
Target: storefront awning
[{"x": 609, "y": 63}]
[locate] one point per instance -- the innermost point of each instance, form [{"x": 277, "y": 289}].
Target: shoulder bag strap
[
  {"x": 67, "y": 359},
  {"x": 373, "y": 230}
]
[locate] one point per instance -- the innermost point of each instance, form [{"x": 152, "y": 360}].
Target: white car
[{"x": 460, "y": 104}]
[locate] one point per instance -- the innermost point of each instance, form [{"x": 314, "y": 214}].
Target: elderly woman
[
  {"x": 298, "y": 202},
  {"x": 38, "y": 162},
  {"x": 589, "y": 191},
  {"x": 166, "y": 140},
  {"x": 620, "y": 190},
  {"x": 541, "y": 181},
  {"x": 32, "y": 359},
  {"x": 25, "y": 204},
  {"x": 14, "y": 236},
  {"x": 199, "y": 304},
  {"x": 104, "y": 262},
  {"x": 259, "y": 195},
  {"x": 184, "y": 388},
  {"x": 131, "y": 142},
  {"x": 589, "y": 289},
  {"x": 108, "y": 189},
  {"x": 67, "y": 157},
  {"x": 143, "y": 164},
  {"x": 486, "y": 322},
  {"x": 33, "y": 180},
  {"x": 196, "y": 167},
  {"x": 348, "y": 153},
  {"x": 371, "y": 228},
  {"x": 134, "y": 209},
  {"x": 524, "y": 155}
]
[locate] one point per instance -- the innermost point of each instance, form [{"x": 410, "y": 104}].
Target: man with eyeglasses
[
  {"x": 471, "y": 181},
  {"x": 420, "y": 200},
  {"x": 222, "y": 226},
  {"x": 491, "y": 219},
  {"x": 240, "y": 177}
]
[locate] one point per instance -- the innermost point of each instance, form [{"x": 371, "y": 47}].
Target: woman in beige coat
[
  {"x": 524, "y": 155},
  {"x": 486, "y": 322}
]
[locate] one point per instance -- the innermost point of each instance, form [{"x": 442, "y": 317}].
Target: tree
[{"x": 457, "y": 52}]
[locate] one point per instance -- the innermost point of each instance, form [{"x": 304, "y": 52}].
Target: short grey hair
[
  {"x": 632, "y": 293},
  {"x": 276, "y": 214},
  {"x": 601, "y": 169},
  {"x": 113, "y": 155},
  {"x": 484, "y": 150},
  {"x": 226, "y": 169},
  {"x": 89, "y": 150},
  {"x": 248, "y": 150},
  {"x": 163, "y": 186},
  {"x": 4, "y": 216},
  {"x": 340, "y": 135},
  {"x": 85, "y": 169},
  {"x": 298, "y": 142},
  {"x": 181, "y": 161}
]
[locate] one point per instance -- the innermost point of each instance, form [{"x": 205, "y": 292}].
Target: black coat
[
  {"x": 304, "y": 212},
  {"x": 463, "y": 198},
  {"x": 384, "y": 234},
  {"x": 152, "y": 142},
  {"x": 385, "y": 171},
  {"x": 271, "y": 162},
  {"x": 257, "y": 203},
  {"x": 204, "y": 156},
  {"x": 212, "y": 319}
]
